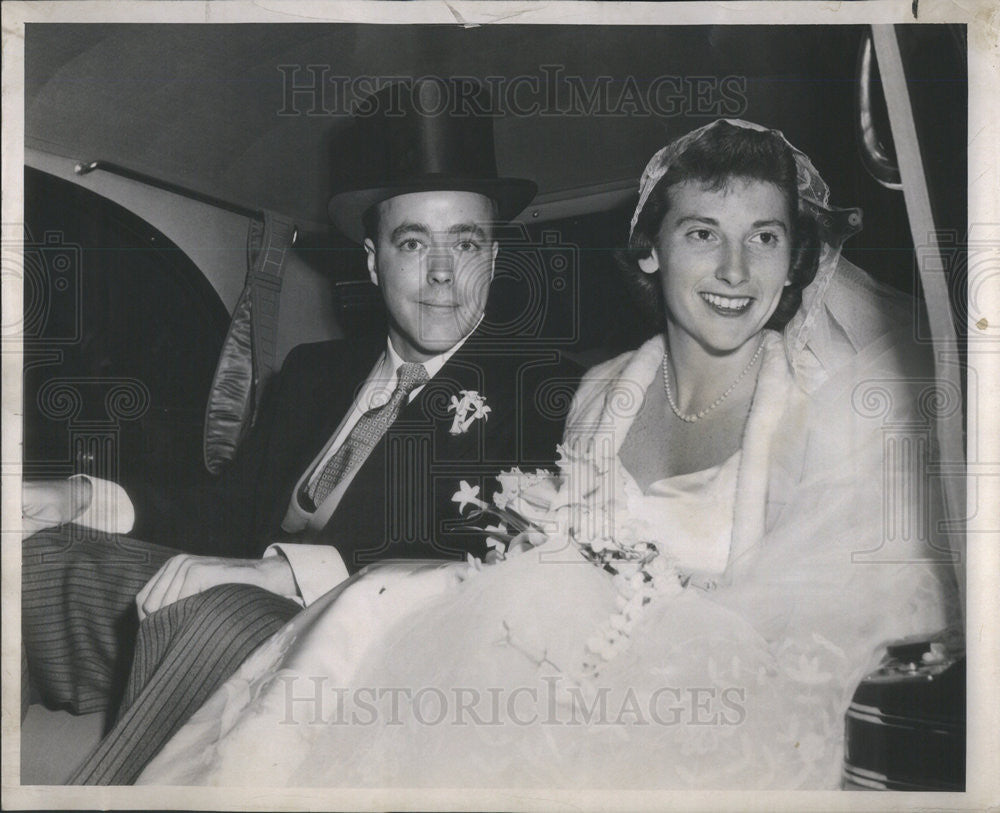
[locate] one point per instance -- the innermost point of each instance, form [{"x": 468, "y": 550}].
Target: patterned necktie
[{"x": 366, "y": 433}]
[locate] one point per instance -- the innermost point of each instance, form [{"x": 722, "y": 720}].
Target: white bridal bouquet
[{"x": 572, "y": 516}]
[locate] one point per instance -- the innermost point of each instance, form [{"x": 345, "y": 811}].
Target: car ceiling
[{"x": 201, "y": 105}]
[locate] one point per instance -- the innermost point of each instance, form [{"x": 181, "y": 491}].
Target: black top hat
[{"x": 419, "y": 136}]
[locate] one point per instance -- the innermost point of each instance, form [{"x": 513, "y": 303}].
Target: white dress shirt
[{"x": 319, "y": 567}]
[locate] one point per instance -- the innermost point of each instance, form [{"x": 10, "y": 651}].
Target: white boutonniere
[{"x": 470, "y": 407}]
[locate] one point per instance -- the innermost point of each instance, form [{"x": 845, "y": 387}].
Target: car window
[{"x": 121, "y": 337}]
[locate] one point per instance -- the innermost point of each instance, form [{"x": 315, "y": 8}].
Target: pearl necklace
[{"x": 717, "y": 401}]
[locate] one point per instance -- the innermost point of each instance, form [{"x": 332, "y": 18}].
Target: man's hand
[
  {"x": 48, "y": 503},
  {"x": 186, "y": 575}
]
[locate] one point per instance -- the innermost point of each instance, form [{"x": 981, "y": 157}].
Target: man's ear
[
  {"x": 493, "y": 258},
  {"x": 372, "y": 264},
  {"x": 649, "y": 264}
]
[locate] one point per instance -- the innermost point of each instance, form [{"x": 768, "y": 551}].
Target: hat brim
[{"x": 512, "y": 195}]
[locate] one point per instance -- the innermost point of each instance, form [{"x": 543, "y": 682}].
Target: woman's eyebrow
[
  {"x": 773, "y": 223},
  {"x": 711, "y": 221}
]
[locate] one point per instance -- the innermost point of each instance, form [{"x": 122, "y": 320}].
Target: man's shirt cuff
[
  {"x": 316, "y": 569},
  {"x": 110, "y": 508}
]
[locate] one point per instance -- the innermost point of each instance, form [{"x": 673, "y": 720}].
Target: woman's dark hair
[{"x": 723, "y": 153}]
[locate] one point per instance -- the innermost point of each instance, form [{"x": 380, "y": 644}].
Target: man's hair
[
  {"x": 370, "y": 218},
  {"x": 725, "y": 153}
]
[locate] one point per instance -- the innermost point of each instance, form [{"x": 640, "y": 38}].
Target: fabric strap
[
  {"x": 366, "y": 434},
  {"x": 248, "y": 354}
]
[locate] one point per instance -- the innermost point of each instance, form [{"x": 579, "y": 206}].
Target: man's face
[{"x": 434, "y": 263}]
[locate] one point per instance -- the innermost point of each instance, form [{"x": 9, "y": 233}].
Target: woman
[{"x": 730, "y": 471}]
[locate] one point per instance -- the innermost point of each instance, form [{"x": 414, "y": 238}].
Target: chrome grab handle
[{"x": 873, "y": 154}]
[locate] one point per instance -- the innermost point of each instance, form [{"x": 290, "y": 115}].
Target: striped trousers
[{"x": 80, "y": 633}]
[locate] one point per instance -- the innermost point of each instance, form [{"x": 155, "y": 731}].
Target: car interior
[{"x": 152, "y": 150}]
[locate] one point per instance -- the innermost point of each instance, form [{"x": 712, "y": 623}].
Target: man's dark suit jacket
[{"x": 399, "y": 503}]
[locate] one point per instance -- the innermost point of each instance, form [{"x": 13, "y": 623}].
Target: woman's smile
[{"x": 727, "y": 305}]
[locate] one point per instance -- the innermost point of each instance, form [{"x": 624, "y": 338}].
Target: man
[{"x": 353, "y": 458}]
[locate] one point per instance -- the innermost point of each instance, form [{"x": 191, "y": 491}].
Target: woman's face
[{"x": 723, "y": 257}]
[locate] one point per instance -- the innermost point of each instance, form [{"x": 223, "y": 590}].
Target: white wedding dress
[{"x": 444, "y": 675}]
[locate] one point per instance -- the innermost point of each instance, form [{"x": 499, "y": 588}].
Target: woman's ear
[{"x": 650, "y": 264}]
